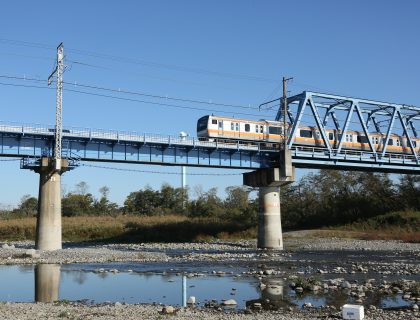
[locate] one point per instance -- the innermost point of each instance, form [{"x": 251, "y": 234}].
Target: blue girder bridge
[{"x": 31, "y": 142}]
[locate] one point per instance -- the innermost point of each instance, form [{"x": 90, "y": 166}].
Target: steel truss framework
[{"x": 382, "y": 116}]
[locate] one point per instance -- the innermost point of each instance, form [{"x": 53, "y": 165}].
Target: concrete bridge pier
[
  {"x": 269, "y": 219},
  {"x": 48, "y": 226}
]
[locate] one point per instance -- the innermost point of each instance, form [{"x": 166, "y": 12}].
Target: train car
[
  {"x": 212, "y": 128},
  {"x": 223, "y": 128}
]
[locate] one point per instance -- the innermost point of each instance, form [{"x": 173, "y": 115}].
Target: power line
[
  {"x": 159, "y": 172},
  {"x": 159, "y": 96},
  {"x": 136, "y": 93},
  {"x": 140, "y": 62},
  {"x": 161, "y": 104}
]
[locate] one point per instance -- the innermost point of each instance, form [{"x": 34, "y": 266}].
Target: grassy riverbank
[
  {"x": 403, "y": 226},
  {"x": 130, "y": 228}
]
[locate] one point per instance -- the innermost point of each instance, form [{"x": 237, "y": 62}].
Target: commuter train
[{"x": 271, "y": 132}]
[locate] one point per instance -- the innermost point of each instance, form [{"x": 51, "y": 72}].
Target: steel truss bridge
[{"x": 31, "y": 142}]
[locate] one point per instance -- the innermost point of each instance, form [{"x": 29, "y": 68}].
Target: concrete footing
[{"x": 48, "y": 227}]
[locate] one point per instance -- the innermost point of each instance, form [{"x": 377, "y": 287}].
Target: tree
[
  {"x": 28, "y": 205},
  {"x": 103, "y": 205},
  {"x": 82, "y": 188},
  {"x": 238, "y": 205},
  {"x": 208, "y": 204},
  {"x": 77, "y": 205}
]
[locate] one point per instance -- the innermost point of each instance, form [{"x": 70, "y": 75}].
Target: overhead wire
[
  {"x": 121, "y": 98},
  {"x": 159, "y": 172},
  {"x": 158, "y": 96},
  {"x": 138, "y": 61}
]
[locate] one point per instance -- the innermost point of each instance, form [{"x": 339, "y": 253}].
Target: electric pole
[
  {"x": 59, "y": 105},
  {"x": 285, "y": 111}
]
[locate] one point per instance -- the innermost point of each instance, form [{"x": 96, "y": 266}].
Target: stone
[
  {"x": 229, "y": 302},
  {"x": 5, "y": 246},
  {"x": 345, "y": 285},
  {"x": 191, "y": 300},
  {"x": 307, "y": 305},
  {"x": 118, "y": 304},
  {"x": 415, "y": 307},
  {"x": 32, "y": 253},
  {"x": 168, "y": 310}
]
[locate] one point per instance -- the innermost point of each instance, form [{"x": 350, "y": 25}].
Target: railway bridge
[{"x": 267, "y": 166}]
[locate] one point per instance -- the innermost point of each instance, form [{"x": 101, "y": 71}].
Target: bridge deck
[{"x": 34, "y": 141}]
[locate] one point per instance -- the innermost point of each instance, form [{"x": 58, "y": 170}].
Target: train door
[{"x": 220, "y": 128}]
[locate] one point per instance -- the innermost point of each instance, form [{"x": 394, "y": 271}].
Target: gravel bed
[
  {"x": 342, "y": 265},
  {"x": 31, "y": 311}
]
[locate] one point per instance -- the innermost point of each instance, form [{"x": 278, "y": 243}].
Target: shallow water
[{"x": 49, "y": 282}]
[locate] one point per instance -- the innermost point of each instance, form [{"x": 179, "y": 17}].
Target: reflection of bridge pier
[
  {"x": 269, "y": 181},
  {"x": 47, "y": 282}
]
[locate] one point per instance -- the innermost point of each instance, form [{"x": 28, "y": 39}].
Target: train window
[
  {"x": 331, "y": 136},
  {"x": 274, "y": 130},
  {"x": 237, "y": 126},
  {"x": 202, "y": 123},
  {"x": 256, "y": 128},
  {"x": 349, "y": 138},
  {"x": 398, "y": 142},
  {"x": 232, "y": 126},
  {"x": 220, "y": 124},
  {"x": 362, "y": 139},
  {"x": 390, "y": 142},
  {"x": 375, "y": 140},
  {"x": 213, "y": 121},
  {"x": 247, "y": 127},
  {"x": 261, "y": 129},
  {"x": 306, "y": 133},
  {"x": 415, "y": 144}
]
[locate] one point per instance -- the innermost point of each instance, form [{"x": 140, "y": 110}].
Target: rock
[
  {"x": 191, "y": 300},
  {"x": 32, "y": 253},
  {"x": 5, "y": 246},
  {"x": 315, "y": 288},
  {"x": 345, "y": 285},
  {"x": 168, "y": 310},
  {"x": 307, "y": 305},
  {"x": 229, "y": 302},
  {"x": 118, "y": 304},
  {"x": 257, "y": 305},
  {"x": 415, "y": 307},
  {"x": 299, "y": 289}
]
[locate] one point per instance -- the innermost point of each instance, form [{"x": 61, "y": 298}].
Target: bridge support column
[
  {"x": 269, "y": 220},
  {"x": 48, "y": 226}
]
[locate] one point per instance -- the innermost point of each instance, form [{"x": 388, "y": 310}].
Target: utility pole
[
  {"x": 285, "y": 110},
  {"x": 59, "y": 105}
]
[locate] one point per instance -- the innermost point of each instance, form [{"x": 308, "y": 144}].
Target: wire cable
[
  {"x": 139, "y": 62},
  {"x": 160, "y": 103},
  {"x": 159, "y": 172}
]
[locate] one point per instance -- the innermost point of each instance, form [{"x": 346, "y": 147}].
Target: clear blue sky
[{"x": 224, "y": 51}]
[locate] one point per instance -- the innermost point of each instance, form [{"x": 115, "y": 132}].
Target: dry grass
[{"x": 130, "y": 228}]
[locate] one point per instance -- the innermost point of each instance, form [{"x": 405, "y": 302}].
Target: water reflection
[
  {"x": 71, "y": 282},
  {"x": 47, "y": 282}
]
